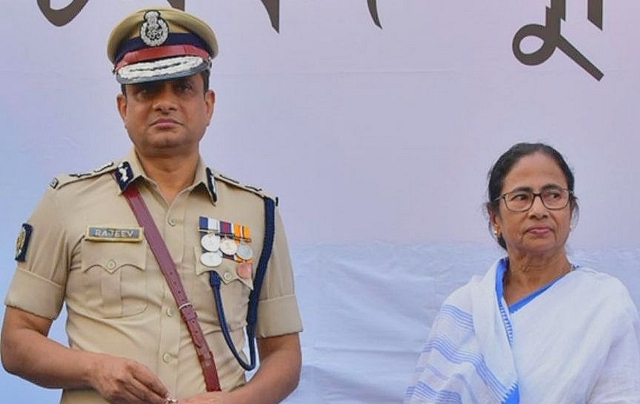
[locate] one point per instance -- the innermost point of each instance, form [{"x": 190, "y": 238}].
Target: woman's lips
[{"x": 539, "y": 230}]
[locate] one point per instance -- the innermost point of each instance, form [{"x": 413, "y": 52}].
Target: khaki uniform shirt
[{"x": 118, "y": 301}]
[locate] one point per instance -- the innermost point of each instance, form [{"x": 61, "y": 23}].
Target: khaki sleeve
[
  {"x": 278, "y": 312},
  {"x": 38, "y": 284}
]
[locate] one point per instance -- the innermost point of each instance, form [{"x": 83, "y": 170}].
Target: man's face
[{"x": 166, "y": 118}]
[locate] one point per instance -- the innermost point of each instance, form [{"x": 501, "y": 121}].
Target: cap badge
[{"x": 155, "y": 30}]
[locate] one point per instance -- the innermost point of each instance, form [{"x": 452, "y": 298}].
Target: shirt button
[
  {"x": 227, "y": 276},
  {"x": 166, "y": 358},
  {"x": 170, "y": 312},
  {"x": 111, "y": 264},
  {"x": 171, "y": 222}
]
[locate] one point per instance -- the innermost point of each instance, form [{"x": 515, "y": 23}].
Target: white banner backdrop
[{"x": 377, "y": 141}]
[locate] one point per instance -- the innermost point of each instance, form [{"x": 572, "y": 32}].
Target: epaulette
[
  {"x": 65, "y": 179},
  {"x": 253, "y": 189}
]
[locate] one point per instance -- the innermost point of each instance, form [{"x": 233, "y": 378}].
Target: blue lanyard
[{"x": 254, "y": 296}]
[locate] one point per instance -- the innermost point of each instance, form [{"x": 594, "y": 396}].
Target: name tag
[{"x": 118, "y": 234}]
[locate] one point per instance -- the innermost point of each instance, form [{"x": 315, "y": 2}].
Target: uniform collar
[
  {"x": 204, "y": 176},
  {"x": 129, "y": 169}
]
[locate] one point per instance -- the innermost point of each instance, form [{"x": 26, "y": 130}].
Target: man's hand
[
  {"x": 29, "y": 353},
  {"x": 277, "y": 376},
  {"x": 124, "y": 381}
]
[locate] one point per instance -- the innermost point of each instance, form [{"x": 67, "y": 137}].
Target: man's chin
[
  {"x": 165, "y": 149},
  {"x": 166, "y": 141}
]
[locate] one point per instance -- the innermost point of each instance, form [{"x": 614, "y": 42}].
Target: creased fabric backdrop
[{"x": 376, "y": 140}]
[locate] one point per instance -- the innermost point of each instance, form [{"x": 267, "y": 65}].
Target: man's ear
[
  {"x": 121, "y": 103},
  {"x": 210, "y": 100}
]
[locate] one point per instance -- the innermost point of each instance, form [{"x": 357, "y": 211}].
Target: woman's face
[{"x": 538, "y": 230}]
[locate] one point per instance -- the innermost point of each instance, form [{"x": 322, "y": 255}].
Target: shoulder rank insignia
[
  {"x": 22, "y": 243},
  {"x": 255, "y": 190},
  {"x": 103, "y": 167},
  {"x": 73, "y": 177}
]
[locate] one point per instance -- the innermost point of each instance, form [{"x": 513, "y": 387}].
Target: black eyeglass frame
[{"x": 536, "y": 194}]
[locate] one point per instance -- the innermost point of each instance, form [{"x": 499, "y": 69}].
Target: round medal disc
[
  {"x": 211, "y": 259},
  {"x": 244, "y": 251},
  {"x": 210, "y": 242},
  {"x": 228, "y": 246},
  {"x": 244, "y": 270}
]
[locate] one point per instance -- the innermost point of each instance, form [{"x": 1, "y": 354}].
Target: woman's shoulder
[
  {"x": 593, "y": 278},
  {"x": 601, "y": 288}
]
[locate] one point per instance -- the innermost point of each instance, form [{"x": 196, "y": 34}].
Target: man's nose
[{"x": 165, "y": 97}]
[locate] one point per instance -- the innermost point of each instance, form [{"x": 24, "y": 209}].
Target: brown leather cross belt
[{"x": 168, "y": 268}]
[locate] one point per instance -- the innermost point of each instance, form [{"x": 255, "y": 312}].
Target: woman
[{"x": 535, "y": 329}]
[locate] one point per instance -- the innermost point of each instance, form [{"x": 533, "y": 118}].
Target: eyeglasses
[{"x": 522, "y": 200}]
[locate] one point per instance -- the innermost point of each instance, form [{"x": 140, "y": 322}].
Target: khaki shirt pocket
[
  {"x": 114, "y": 278},
  {"x": 234, "y": 290}
]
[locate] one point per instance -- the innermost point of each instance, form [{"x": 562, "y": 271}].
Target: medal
[
  {"x": 210, "y": 242},
  {"x": 229, "y": 239},
  {"x": 228, "y": 246},
  {"x": 244, "y": 251},
  {"x": 244, "y": 270},
  {"x": 211, "y": 259}
]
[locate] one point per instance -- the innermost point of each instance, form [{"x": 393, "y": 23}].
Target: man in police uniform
[{"x": 83, "y": 246}]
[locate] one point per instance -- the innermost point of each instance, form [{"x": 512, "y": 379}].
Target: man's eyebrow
[{"x": 149, "y": 84}]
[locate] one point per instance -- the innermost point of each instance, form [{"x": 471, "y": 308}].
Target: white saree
[{"x": 575, "y": 341}]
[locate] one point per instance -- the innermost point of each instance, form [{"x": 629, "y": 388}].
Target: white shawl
[{"x": 577, "y": 342}]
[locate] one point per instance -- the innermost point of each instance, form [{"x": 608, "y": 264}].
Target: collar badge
[
  {"x": 211, "y": 185},
  {"x": 124, "y": 175}
]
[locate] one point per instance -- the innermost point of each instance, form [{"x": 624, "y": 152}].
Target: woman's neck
[{"x": 527, "y": 274}]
